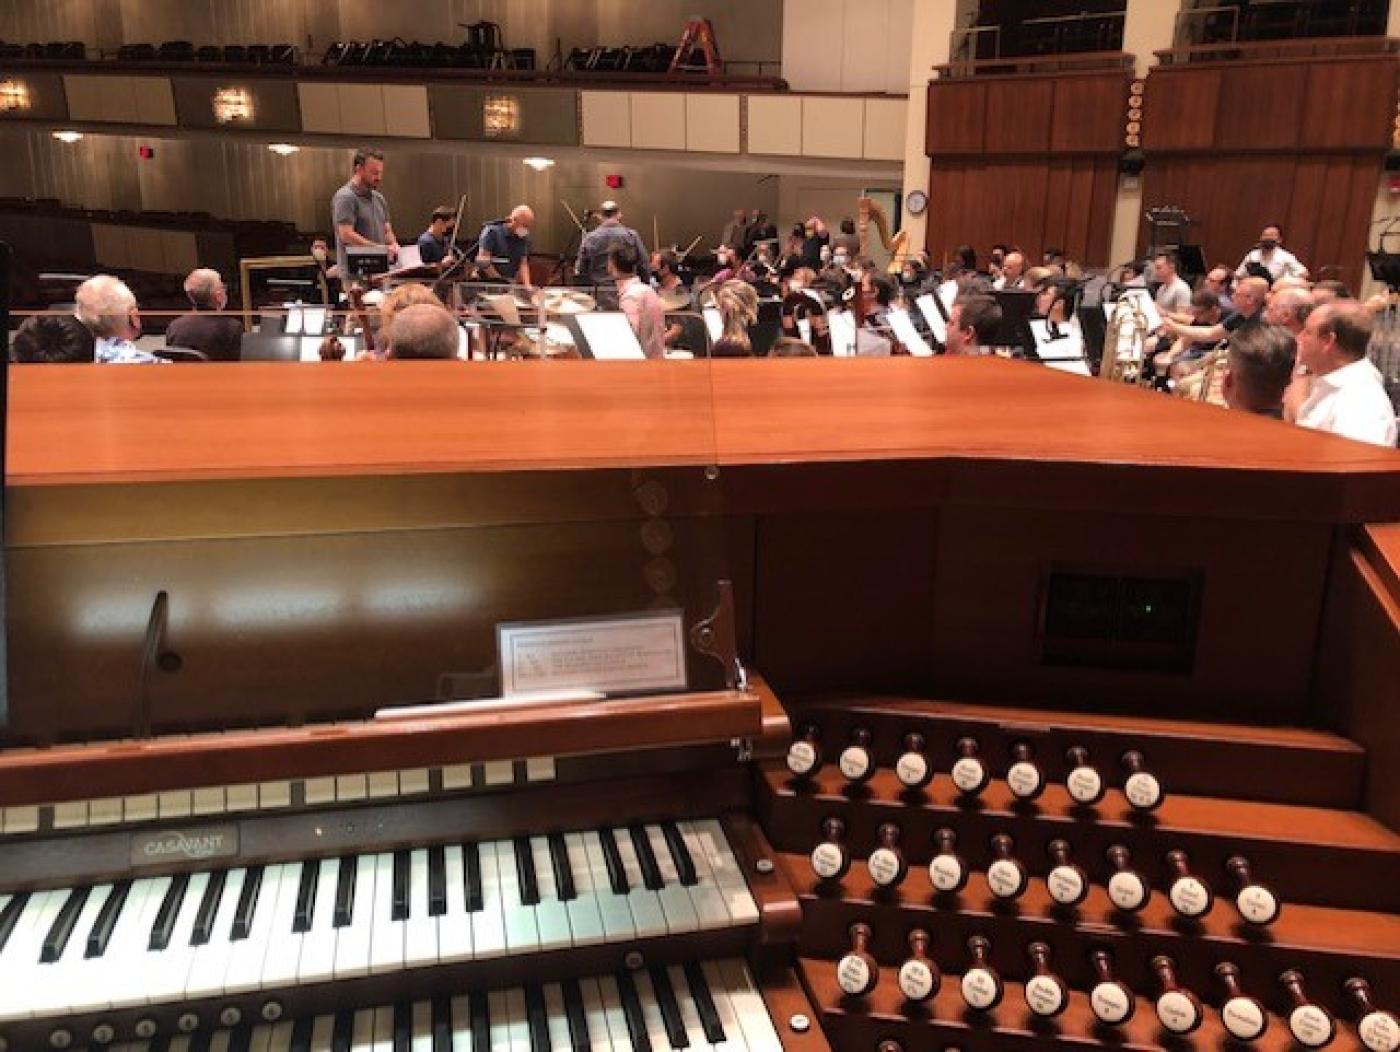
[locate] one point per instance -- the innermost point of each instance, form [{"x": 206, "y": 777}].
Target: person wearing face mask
[
  {"x": 107, "y": 307},
  {"x": 503, "y": 253},
  {"x": 814, "y": 239},
  {"x": 1272, "y": 256}
]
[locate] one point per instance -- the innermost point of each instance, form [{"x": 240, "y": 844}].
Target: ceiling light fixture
[
  {"x": 539, "y": 164},
  {"x": 283, "y": 149},
  {"x": 68, "y": 136}
]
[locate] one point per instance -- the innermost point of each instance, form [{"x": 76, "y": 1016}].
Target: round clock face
[{"x": 916, "y": 202}]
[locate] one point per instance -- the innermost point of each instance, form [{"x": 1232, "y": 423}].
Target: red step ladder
[{"x": 699, "y": 33}]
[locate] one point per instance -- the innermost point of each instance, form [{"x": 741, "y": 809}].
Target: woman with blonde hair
[{"x": 737, "y": 303}]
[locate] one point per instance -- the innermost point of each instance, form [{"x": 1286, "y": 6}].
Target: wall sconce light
[
  {"x": 68, "y": 136},
  {"x": 539, "y": 164},
  {"x": 233, "y": 104},
  {"x": 283, "y": 149},
  {"x": 500, "y": 116},
  {"x": 14, "y": 96}
]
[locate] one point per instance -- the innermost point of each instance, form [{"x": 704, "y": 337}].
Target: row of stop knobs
[
  {"x": 970, "y": 774},
  {"x": 1113, "y": 1003},
  {"x": 1067, "y": 883}
]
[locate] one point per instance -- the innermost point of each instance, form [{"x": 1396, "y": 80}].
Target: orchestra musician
[
  {"x": 593, "y": 250},
  {"x": 360, "y": 213},
  {"x": 504, "y": 250},
  {"x": 435, "y": 243}
]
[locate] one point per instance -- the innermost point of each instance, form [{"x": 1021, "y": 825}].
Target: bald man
[
  {"x": 423, "y": 331},
  {"x": 208, "y": 329},
  {"x": 504, "y": 252}
]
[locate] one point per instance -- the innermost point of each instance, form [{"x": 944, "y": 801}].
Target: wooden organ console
[{"x": 1060, "y": 739}]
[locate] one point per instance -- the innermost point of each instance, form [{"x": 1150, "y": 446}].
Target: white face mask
[
  {"x": 840, "y": 259},
  {"x": 318, "y": 254}
]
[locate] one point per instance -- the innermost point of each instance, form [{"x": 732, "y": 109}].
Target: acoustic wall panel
[
  {"x": 712, "y": 123},
  {"x": 658, "y": 120},
  {"x": 154, "y": 100},
  {"x": 361, "y": 109},
  {"x": 833, "y": 127},
  {"x": 320, "y": 108},
  {"x": 84, "y": 96},
  {"x": 406, "y": 111},
  {"x": 607, "y": 118},
  {"x": 885, "y": 121},
  {"x": 775, "y": 124}
]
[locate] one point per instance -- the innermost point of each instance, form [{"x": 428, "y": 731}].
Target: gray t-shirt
[
  {"x": 1173, "y": 297},
  {"x": 365, "y": 210}
]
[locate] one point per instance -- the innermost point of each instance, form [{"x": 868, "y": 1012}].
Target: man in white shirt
[
  {"x": 1173, "y": 296},
  {"x": 1272, "y": 256},
  {"x": 1346, "y": 395},
  {"x": 107, "y": 307},
  {"x": 1013, "y": 270}
]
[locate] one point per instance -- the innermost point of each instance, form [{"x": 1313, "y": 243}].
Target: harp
[{"x": 873, "y": 228}]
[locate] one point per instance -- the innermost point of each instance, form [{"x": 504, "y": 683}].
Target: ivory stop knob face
[
  {"x": 1005, "y": 879},
  {"x": 855, "y": 762},
  {"x": 1311, "y": 1026},
  {"x": 1243, "y": 1017},
  {"x": 1257, "y": 904},
  {"x": 1143, "y": 790},
  {"x": 884, "y": 866},
  {"x": 946, "y": 873},
  {"x": 1177, "y": 1012},
  {"x": 801, "y": 757},
  {"x": 853, "y": 974},
  {"x": 1127, "y": 891},
  {"x": 1023, "y": 779},
  {"x": 912, "y": 770},
  {"x": 1111, "y": 1003},
  {"x": 1085, "y": 785},
  {"x": 1379, "y": 1032},
  {"x": 1066, "y": 885},
  {"x": 828, "y": 860},
  {"x": 969, "y": 774},
  {"x": 1189, "y": 897},
  {"x": 1044, "y": 996},
  {"x": 980, "y": 988},
  {"x": 916, "y": 981}
]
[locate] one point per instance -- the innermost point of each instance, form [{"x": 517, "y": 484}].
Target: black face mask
[{"x": 1268, "y": 244}]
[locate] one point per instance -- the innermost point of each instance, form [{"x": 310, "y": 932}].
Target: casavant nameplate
[{"x": 184, "y": 845}]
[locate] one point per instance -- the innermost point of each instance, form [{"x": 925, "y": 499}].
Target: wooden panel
[
  {"x": 957, "y": 117},
  {"x": 712, "y": 123},
  {"x": 1180, "y": 109},
  {"x": 109, "y": 245},
  {"x": 1349, "y": 104},
  {"x": 1260, "y": 107},
  {"x": 1018, "y": 115},
  {"x": 886, "y": 121},
  {"x": 775, "y": 125},
  {"x": 1089, "y": 113},
  {"x": 658, "y": 120},
  {"x": 361, "y": 109},
  {"x": 607, "y": 118},
  {"x": 832, "y": 127},
  {"x": 147, "y": 248},
  {"x": 406, "y": 111},
  {"x": 119, "y": 102},
  {"x": 320, "y": 108},
  {"x": 84, "y": 96},
  {"x": 155, "y": 101}
]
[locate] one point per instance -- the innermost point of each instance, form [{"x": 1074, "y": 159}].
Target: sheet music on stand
[
  {"x": 947, "y": 295},
  {"x": 903, "y": 327},
  {"x": 1079, "y": 367},
  {"x": 843, "y": 333},
  {"x": 933, "y": 317},
  {"x": 1144, "y": 302},
  {"x": 1066, "y": 344},
  {"x": 607, "y": 336},
  {"x": 714, "y": 324}
]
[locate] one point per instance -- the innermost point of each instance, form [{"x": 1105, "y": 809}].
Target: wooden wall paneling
[
  {"x": 957, "y": 118},
  {"x": 1349, "y": 104},
  {"x": 1063, "y": 221},
  {"x": 1098, "y": 242},
  {"x": 1355, "y": 230},
  {"x": 1261, "y": 107},
  {"x": 1180, "y": 109},
  {"x": 1018, "y": 115},
  {"x": 1088, "y": 113},
  {"x": 1026, "y": 194}
]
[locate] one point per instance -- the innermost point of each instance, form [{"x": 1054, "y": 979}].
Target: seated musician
[
  {"x": 638, "y": 300},
  {"x": 504, "y": 250},
  {"x": 409, "y": 294},
  {"x": 1250, "y": 295},
  {"x": 672, "y": 290},
  {"x": 1258, "y": 369},
  {"x": 1055, "y": 303},
  {"x": 435, "y": 243},
  {"x": 423, "y": 332},
  {"x": 738, "y": 309},
  {"x": 973, "y": 326}
]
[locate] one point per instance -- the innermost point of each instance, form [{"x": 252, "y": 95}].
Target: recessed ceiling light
[
  {"x": 67, "y": 136},
  {"x": 539, "y": 164},
  {"x": 283, "y": 149}
]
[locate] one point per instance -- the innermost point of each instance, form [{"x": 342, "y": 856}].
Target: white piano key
[
  {"x": 353, "y": 942},
  {"x": 616, "y": 1018},
  {"x": 522, "y": 931},
  {"x": 757, "y": 1025},
  {"x": 614, "y": 910},
  {"x": 519, "y": 1020},
  {"x": 551, "y": 915},
  {"x": 322, "y": 1030},
  {"x": 711, "y": 904},
  {"x": 499, "y": 1011},
  {"x": 245, "y": 965},
  {"x": 179, "y": 1043},
  {"x": 462, "y": 1026},
  {"x": 383, "y": 784},
  {"x": 284, "y": 946},
  {"x": 260, "y": 1040},
  {"x": 560, "y": 1039},
  {"x": 455, "y": 926},
  {"x": 178, "y": 803},
  {"x": 209, "y": 800},
  {"x": 71, "y": 814},
  {"x": 383, "y": 1035},
  {"x": 21, "y": 819},
  {"x": 599, "y": 1029},
  {"x": 540, "y": 769},
  {"x": 499, "y": 772},
  {"x": 651, "y": 1011},
  {"x": 457, "y": 776},
  {"x": 725, "y": 866},
  {"x": 675, "y": 896},
  {"x": 281, "y": 1039},
  {"x": 386, "y": 938},
  {"x": 724, "y": 1008},
  {"x": 219, "y": 1040},
  {"x": 489, "y": 924},
  {"x": 167, "y": 970},
  {"x": 122, "y": 967},
  {"x": 142, "y": 808},
  {"x": 317, "y": 791},
  {"x": 647, "y": 914},
  {"x": 421, "y": 929},
  {"x": 243, "y": 798},
  {"x": 55, "y": 986},
  {"x": 351, "y": 787},
  {"x": 585, "y": 920},
  {"x": 274, "y": 794},
  {"x": 422, "y": 1040},
  {"x": 106, "y": 811},
  {"x": 413, "y": 781},
  {"x": 317, "y": 963},
  {"x": 690, "y": 1015},
  {"x": 210, "y": 963}
]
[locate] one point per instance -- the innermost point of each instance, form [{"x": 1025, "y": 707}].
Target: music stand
[
  {"x": 1385, "y": 266},
  {"x": 1016, "y": 310},
  {"x": 1191, "y": 261},
  {"x": 366, "y": 261}
]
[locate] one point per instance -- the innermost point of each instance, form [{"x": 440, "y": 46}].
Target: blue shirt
[
  {"x": 432, "y": 249},
  {"x": 506, "y": 248},
  {"x": 112, "y": 351}
]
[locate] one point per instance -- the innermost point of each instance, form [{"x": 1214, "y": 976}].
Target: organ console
[{"x": 287, "y": 858}]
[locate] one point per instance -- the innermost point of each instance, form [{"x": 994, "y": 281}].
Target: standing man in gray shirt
[
  {"x": 359, "y": 213},
  {"x": 598, "y": 243}
]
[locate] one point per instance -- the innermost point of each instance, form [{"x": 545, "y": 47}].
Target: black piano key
[
  {"x": 247, "y": 904},
  {"x": 169, "y": 911},
  {"x": 437, "y": 881},
  {"x": 632, "y": 1011},
  {"x": 343, "y": 1033},
  {"x": 538, "y": 1019},
  {"x": 107, "y": 918},
  {"x": 398, "y": 909},
  {"x": 442, "y": 1024},
  {"x": 670, "y": 1008},
  {"x": 9, "y": 916},
  {"x": 403, "y": 1027},
  {"x": 577, "y": 1016},
  {"x": 208, "y": 908},
  {"x": 481, "y": 1019},
  {"x": 651, "y": 869},
  {"x": 160, "y": 1043},
  {"x": 525, "y": 871},
  {"x": 61, "y": 930},
  {"x": 471, "y": 856},
  {"x": 617, "y": 873},
  {"x": 200, "y": 1040},
  {"x": 301, "y": 1034},
  {"x": 345, "y": 892},
  {"x": 704, "y": 1003},
  {"x": 685, "y": 864},
  {"x": 563, "y": 875},
  {"x": 240, "y": 1038},
  {"x": 306, "y": 897}
]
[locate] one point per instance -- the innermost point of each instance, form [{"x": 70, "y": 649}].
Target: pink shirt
[{"x": 642, "y": 306}]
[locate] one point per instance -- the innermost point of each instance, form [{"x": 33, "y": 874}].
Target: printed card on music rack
[{"x": 629, "y": 654}]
